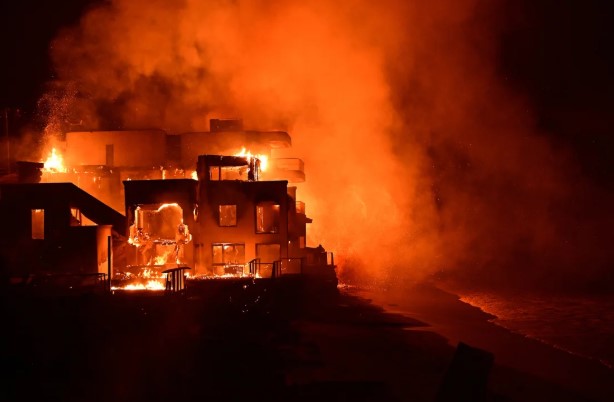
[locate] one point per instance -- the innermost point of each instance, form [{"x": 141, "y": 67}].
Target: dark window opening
[
  {"x": 217, "y": 173},
  {"x": 267, "y": 217}
]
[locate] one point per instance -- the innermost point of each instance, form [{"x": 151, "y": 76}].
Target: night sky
[{"x": 557, "y": 53}]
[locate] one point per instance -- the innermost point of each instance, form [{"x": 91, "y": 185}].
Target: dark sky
[
  {"x": 27, "y": 28},
  {"x": 559, "y": 53}
]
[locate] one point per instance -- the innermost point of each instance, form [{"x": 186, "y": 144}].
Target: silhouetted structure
[
  {"x": 227, "y": 214},
  {"x": 467, "y": 377}
]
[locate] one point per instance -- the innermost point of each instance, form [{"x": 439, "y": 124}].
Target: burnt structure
[
  {"x": 46, "y": 232},
  {"x": 198, "y": 201}
]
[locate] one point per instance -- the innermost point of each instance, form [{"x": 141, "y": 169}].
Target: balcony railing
[
  {"x": 275, "y": 269},
  {"x": 288, "y": 164}
]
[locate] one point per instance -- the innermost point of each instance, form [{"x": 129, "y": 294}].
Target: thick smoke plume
[{"x": 419, "y": 160}]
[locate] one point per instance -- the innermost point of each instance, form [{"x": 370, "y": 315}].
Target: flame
[
  {"x": 194, "y": 175},
  {"x": 161, "y": 259},
  {"x": 147, "y": 273},
  {"x": 55, "y": 162},
  {"x": 264, "y": 159},
  {"x": 150, "y": 285}
]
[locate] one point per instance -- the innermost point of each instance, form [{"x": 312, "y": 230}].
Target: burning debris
[{"x": 55, "y": 163}]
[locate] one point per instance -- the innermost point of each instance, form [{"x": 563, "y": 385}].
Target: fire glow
[
  {"x": 150, "y": 285},
  {"x": 55, "y": 162},
  {"x": 264, "y": 159}
]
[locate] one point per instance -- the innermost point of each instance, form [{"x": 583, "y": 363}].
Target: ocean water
[{"x": 579, "y": 324}]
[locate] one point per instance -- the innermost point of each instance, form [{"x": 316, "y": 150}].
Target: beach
[
  {"x": 274, "y": 343},
  {"x": 525, "y": 368}
]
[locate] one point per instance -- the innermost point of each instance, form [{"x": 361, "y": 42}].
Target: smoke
[{"x": 420, "y": 161}]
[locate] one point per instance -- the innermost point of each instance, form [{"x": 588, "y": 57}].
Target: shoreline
[
  {"x": 501, "y": 306},
  {"x": 605, "y": 363},
  {"x": 459, "y": 321}
]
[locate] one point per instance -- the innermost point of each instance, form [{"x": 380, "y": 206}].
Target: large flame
[
  {"x": 264, "y": 159},
  {"x": 162, "y": 259},
  {"x": 150, "y": 285},
  {"x": 55, "y": 162}
]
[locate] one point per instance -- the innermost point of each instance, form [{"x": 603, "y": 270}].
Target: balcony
[{"x": 291, "y": 169}]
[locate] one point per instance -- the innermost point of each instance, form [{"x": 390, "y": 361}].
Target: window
[
  {"x": 217, "y": 173},
  {"x": 268, "y": 252},
  {"x": 228, "y": 253},
  {"x": 228, "y": 215},
  {"x": 267, "y": 217},
  {"x": 38, "y": 224}
]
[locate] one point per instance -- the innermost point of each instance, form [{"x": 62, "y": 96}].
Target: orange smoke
[{"x": 418, "y": 159}]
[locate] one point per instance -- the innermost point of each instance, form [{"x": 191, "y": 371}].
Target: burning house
[{"x": 201, "y": 202}]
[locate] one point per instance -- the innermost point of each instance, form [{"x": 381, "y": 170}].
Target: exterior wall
[
  {"x": 246, "y": 196},
  {"x": 85, "y": 250},
  {"x": 64, "y": 248},
  {"x": 145, "y": 148}
]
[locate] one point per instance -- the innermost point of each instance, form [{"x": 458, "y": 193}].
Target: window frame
[
  {"x": 224, "y": 263},
  {"x": 277, "y": 228},
  {"x": 219, "y": 215}
]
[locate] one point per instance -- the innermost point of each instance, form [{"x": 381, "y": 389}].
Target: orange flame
[
  {"x": 150, "y": 285},
  {"x": 161, "y": 259},
  {"x": 55, "y": 162},
  {"x": 264, "y": 159}
]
